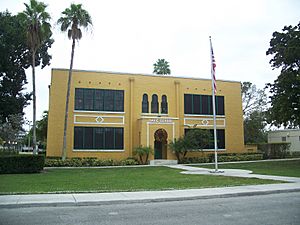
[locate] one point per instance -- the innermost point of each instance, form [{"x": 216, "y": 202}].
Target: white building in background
[{"x": 286, "y": 136}]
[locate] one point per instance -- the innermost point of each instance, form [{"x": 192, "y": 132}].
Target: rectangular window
[
  {"x": 88, "y": 99},
  {"x": 202, "y": 104},
  {"x": 220, "y": 138},
  {"x": 99, "y": 138},
  {"x": 119, "y": 101},
  {"x": 283, "y": 139},
  {"x": 220, "y": 105},
  {"x": 188, "y": 101},
  {"x": 108, "y": 100},
  {"x": 99, "y": 100},
  {"x": 79, "y": 99},
  {"x": 78, "y": 137}
]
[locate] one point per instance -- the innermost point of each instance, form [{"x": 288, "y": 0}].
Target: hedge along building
[{"x": 112, "y": 113}]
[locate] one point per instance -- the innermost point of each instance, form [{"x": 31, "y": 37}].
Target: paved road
[{"x": 274, "y": 209}]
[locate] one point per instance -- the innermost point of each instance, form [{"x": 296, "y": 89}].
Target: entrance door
[
  {"x": 160, "y": 144},
  {"x": 157, "y": 150}
]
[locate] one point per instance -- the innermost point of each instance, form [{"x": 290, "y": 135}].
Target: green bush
[
  {"x": 88, "y": 162},
  {"x": 189, "y": 160},
  {"x": 8, "y": 151},
  {"x": 231, "y": 157},
  {"x": 274, "y": 150},
  {"x": 143, "y": 153},
  {"x": 21, "y": 163}
]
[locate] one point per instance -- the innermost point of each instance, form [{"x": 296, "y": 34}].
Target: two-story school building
[{"x": 111, "y": 113}]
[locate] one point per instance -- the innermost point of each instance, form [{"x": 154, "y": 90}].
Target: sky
[{"x": 130, "y": 35}]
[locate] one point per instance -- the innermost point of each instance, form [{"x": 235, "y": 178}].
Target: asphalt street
[{"x": 272, "y": 209}]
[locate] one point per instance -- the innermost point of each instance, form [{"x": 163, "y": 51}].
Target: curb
[{"x": 162, "y": 199}]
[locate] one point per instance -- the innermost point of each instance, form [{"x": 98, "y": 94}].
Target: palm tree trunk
[
  {"x": 64, "y": 148},
  {"x": 34, "y": 105}
]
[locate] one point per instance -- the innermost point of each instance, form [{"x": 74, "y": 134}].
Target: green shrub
[
  {"x": 143, "y": 153},
  {"x": 8, "y": 151},
  {"x": 189, "y": 160},
  {"x": 21, "y": 163},
  {"x": 88, "y": 162},
  {"x": 274, "y": 150}
]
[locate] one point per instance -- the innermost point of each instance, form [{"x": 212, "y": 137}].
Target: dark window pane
[
  {"x": 221, "y": 139},
  {"x": 88, "y": 138},
  {"x": 99, "y": 99},
  {"x": 109, "y": 138},
  {"x": 99, "y": 138},
  {"x": 220, "y": 105},
  {"x": 108, "y": 100},
  {"x": 119, "y": 138},
  {"x": 204, "y": 105},
  {"x": 188, "y": 109},
  {"x": 78, "y": 138},
  {"x": 154, "y": 104},
  {"x": 164, "y": 104},
  {"x": 196, "y": 104},
  {"x": 88, "y": 99},
  {"x": 210, "y": 105},
  {"x": 78, "y": 98},
  {"x": 145, "y": 104},
  {"x": 119, "y": 101}
]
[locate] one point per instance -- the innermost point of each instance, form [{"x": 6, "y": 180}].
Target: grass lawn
[
  {"x": 114, "y": 179},
  {"x": 289, "y": 168}
]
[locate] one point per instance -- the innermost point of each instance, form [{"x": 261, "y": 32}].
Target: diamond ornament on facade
[{"x": 99, "y": 119}]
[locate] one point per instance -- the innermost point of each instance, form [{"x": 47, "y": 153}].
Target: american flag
[{"x": 213, "y": 68}]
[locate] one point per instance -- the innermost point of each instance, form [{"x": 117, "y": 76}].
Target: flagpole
[{"x": 213, "y": 82}]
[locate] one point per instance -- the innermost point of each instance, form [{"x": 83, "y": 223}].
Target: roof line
[{"x": 142, "y": 74}]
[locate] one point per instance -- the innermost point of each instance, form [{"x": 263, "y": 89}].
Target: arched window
[
  {"x": 154, "y": 104},
  {"x": 164, "y": 105},
  {"x": 145, "y": 104}
]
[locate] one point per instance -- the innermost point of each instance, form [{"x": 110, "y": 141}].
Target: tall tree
[
  {"x": 38, "y": 31},
  {"x": 254, "y": 128},
  {"x": 13, "y": 58},
  {"x": 161, "y": 67},
  {"x": 285, "y": 98},
  {"x": 254, "y": 99},
  {"x": 254, "y": 107},
  {"x": 72, "y": 19}
]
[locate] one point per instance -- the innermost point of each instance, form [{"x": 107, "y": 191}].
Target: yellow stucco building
[{"x": 112, "y": 113}]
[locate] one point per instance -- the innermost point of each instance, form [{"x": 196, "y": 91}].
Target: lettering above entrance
[{"x": 160, "y": 120}]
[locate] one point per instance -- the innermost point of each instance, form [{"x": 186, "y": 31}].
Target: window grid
[
  {"x": 99, "y": 99},
  {"x": 81, "y": 142},
  {"x": 192, "y": 102}
]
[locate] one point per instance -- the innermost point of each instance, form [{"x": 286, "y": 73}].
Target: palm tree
[
  {"x": 162, "y": 67},
  {"x": 38, "y": 27},
  {"x": 72, "y": 19}
]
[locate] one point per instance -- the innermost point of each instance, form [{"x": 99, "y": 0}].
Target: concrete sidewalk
[{"x": 36, "y": 200}]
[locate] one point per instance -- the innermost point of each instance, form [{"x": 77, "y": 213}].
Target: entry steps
[{"x": 162, "y": 162}]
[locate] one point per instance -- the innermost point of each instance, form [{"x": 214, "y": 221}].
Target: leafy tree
[
  {"x": 72, "y": 19},
  {"x": 10, "y": 129},
  {"x": 161, "y": 67},
  {"x": 285, "y": 98},
  {"x": 254, "y": 128},
  {"x": 143, "y": 153},
  {"x": 254, "y": 99},
  {"x": 194, "y": 140},
  {"x": 254, "y": 107},
  {"x": 13, "y": 58},
  {"x": 38, "y": 27},
  {"x": 178, "y": 147}
]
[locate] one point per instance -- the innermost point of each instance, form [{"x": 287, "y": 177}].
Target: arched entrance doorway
[{"x": 160, "y": 144}]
